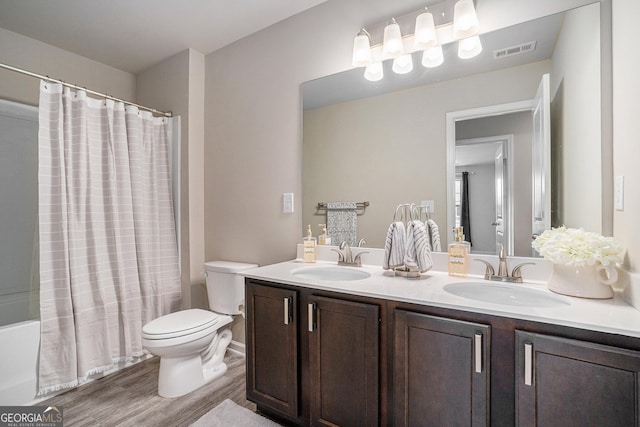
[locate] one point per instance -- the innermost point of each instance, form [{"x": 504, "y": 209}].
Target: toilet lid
[{"x": 180, "y": 323}]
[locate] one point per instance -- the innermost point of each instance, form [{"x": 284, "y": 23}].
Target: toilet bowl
[{"x": 192, "y": 343}]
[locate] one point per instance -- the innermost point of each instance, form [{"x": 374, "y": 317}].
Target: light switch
[
  {"x": 618, "y": 193},
  {"x": 287, "y": 202}
]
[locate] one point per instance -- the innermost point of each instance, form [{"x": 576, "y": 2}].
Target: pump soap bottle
[
  {"x": 324, "y": 239},
  {"x": 309, "y": 247},
  {"x": 458, "y": 251}
]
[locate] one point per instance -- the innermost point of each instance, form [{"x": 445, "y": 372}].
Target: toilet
[{"x": 192, "y": 343}]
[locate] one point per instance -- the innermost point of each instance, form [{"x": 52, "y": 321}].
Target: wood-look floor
[{"x": 129, "y": 398}]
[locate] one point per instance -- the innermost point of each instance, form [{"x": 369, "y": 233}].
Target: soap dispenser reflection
[
  {"x": 458, "y": 252},
  {"x": 324, "y": 238}
]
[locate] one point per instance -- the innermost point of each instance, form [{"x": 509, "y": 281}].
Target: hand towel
[
  {"x": 434, "y": 235},
  {"x": 342, "y": 222},
  {"x": 418, "y": 250},
  {"x": 394, "y": 246}
]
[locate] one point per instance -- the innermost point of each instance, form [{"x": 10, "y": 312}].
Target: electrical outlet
[
  {"x": 429, "y": 205},
  {"x": 287, "y": 202}
]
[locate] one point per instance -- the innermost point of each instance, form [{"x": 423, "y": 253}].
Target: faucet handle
[
  {"x": 517, "y": 274},
  {"x": 489, "y": 272},
  {"x": 340, "y": 255},
  {"x": 356, "y": 259}
]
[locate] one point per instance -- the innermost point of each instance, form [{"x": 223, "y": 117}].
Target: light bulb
[
  {"x": 433, "y": 57},
  {"x": 361, "y": 51},
  {"x": 469, "y": 47},
  {"x": 425, "y": 32},
  {"x": 465, "y": 20},
  {"x": 403, "y": 64},
  {"x": 392, "y": 42},
  {"x": 374, "y": 72}
]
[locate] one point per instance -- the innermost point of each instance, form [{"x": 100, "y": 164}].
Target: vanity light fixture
[
  {"x": 392, "y": 45},
  {"x": 444, "y": 22}
]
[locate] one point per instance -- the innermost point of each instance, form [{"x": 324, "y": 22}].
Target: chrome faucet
[
  {"x": 345, "y": 256},
  {"x": 503, "y": 269}
]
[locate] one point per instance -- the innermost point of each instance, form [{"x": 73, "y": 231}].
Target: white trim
[
  {"x": 507, "y": 147},
  {"x": 473, "y": 113}
]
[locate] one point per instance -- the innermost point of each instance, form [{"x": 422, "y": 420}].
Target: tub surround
[{"x": 614, "y": 315}]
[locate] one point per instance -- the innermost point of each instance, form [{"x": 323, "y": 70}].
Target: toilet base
[{"x": 182, "y": 375}]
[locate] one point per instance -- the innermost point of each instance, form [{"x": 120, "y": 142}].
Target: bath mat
[{"x": 230, "y": 414}]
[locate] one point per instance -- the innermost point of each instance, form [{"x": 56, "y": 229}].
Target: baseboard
[{"x": 237, "y": 348}]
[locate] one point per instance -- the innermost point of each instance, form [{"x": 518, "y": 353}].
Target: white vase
[{"x": 586, "y": 282}]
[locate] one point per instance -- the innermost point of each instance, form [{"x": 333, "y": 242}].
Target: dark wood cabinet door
[
  {"x": 272, "y": 348},
  {"x": 564, "y": 382},
  {"x": 343, "y": 362},
  {"x": 440, "y": 371}
]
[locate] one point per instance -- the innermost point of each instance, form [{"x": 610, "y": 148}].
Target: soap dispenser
[
  {"x": 458, "y": 251},
  {"x": 309, "y": 246},
  {"x": 324, "y": 238}
]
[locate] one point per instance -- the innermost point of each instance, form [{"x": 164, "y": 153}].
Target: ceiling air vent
[{"x": 514, "y": 50}]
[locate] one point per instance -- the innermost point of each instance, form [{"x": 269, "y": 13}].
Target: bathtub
[{"x": 20, "y": 343}]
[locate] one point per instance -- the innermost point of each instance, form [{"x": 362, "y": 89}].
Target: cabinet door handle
[
  {"x": 311, "y": 311},
  {"x": 528, "y": 363},
  {"x": 288, "y": 318},
  {"x": 478, "y": 352}
]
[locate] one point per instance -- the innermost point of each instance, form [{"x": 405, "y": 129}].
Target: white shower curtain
[{"x": 108, "y": 253}]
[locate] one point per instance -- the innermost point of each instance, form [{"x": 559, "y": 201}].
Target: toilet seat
[{"x": 180, "y": 324}]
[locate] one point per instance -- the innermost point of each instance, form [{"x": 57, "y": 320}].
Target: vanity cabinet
[
  {"x": 312, "y": 359},
  {"x": 272, "y": 348},
  {"x": 440, "y": 371},
  {"x": 343, "y": 362},
  {"x": 569, "y": 382},
  {"x": 317, "y": 357}
]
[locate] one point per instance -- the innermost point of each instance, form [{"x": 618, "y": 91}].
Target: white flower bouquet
[{"x": 577, "y": 248}]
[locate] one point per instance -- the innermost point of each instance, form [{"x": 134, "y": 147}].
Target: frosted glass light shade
[
  {"x": 361, "y": 51},
  {"x": 469, "y": 47},
  {"x": 425, "y": 32},
  {"x": 374, "y": 72},
  {"x": 403, "y": 64},
  {"x": 392, "y": 42},
  {"x": 433, "y": 57},
  {"x": 465, "y": 20}
]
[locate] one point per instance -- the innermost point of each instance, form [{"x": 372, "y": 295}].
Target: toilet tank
[{"x": 225, "y": 288}]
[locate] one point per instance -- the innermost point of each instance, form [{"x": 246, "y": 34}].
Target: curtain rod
[{"x": 102, "y": 95}]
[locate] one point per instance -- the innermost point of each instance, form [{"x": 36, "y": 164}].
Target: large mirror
[{"x": 409, "y": 138}]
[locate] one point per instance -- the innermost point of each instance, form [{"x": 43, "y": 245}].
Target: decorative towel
[
  {"x": 434, "y": 235},
  {"x": 418, "y": 252},
  {"x": 394, "y": 246},
  {"x": 342, "y": 222}
]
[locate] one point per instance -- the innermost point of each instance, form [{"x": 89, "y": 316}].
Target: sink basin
[
  {"x": 330, "y": 274},
  {"x": 505, "y": 294}
]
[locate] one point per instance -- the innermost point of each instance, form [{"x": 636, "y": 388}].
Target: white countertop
[{"x": 611, "y": 316}]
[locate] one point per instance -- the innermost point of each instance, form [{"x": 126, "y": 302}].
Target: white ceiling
[{"x": 132, "y": 35}]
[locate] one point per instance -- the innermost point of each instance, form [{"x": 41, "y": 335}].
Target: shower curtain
[
  {"x": 465, "y": 217},
  {"x": 108, "y": 253}
]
